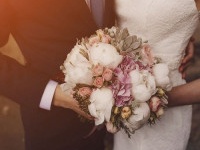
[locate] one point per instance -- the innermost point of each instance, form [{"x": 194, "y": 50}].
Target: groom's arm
[
  {"x": 22, "y": 84},
  {"x": 25, "y": 86},
  {"x": 186, "y": 94}
]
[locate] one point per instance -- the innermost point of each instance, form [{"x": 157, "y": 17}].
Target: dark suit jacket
[{"x": 45, "y": 31}]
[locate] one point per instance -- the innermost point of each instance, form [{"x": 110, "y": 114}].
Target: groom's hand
[
  {"x": 60, "y": 99},
  {"x": 189, "y": 54}
]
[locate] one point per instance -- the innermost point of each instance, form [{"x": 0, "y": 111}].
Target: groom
[{"x": 45, "y": 31}]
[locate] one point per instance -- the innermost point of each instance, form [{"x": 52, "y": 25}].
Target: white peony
[
  {"x": 143, "y": 85},
  {"x": 105, "y": 54},
  {"x": 75, "y": 56},
  {"x": 77, "y": 68},
  {"x": 101, "y": 105},
  {"x": 136, "y": 77},
  {"x": 79, "y": 73},
  {"x": 161, "y": 73},
  {"x": 140, "y": 117},
  {"x": 141, "y": 93}
]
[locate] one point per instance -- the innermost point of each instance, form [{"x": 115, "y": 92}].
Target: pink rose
[
  {"x": 154, "y": 103},
  {"x": 147, "y": 56},
  {"x": 97, "y": 70},
  {"x": 107, "y": 74},
  {"x": 98, "y": 82},
  {"x": 111, "y": 128},
  {"x": 84, "y": 91},
  {"x": 94, "y": 39},
  {"x": 105, "y": 39}
]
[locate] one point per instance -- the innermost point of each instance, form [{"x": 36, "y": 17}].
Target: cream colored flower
[
  {"x": 77, "y": 68},
  {"x": 126, "y": 112},
  {"x": 75, "y": 55},
  {"x": 139, "y": 117},
  {"x": 101, "y": 105},
  {"x": 160, "y": 112},
  {"x": 105, "y": 54},
  {"x": 143, "y": 85},
  {"x": 161, "y": 73},
  {"x": 79, "y": 73},
  {"x": 141, "y": 93}
]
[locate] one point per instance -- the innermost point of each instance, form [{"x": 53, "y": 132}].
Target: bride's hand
[
  {"x": 60, "y": 99},
  {"x": 189, "y": 54}
]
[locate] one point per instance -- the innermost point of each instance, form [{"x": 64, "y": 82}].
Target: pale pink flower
[
  {"x": 107, "y": 74},
  {"x": 121, "y": 93},
  {"x": 98, "y": 82},
  {"x": 84, "y": 91},
  {"x": 97, "y": 70},
  {"x": 105, "y": 39},
  {"x": 146, "y": 54},
  {"x": 111, "y": 128},
  {"x": 154, "y": 103},
  {"x": 93, "y": 40},
  {"x": 121, "y": 86}
]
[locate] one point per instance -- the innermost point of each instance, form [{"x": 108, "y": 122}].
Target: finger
[
  {"x": 187, "y": 58},
  {"x": 183, "y": 69},
  {"x": 192, "y": 39},
  {"x": 185, "y": 66},
  {"x": 183, "y": 75},
  {"x": 74, "y": 105},
  {"x": 189, "y": 53},
  {"x": 69, "y": 103},
  {"x": 84, "y": 114}
]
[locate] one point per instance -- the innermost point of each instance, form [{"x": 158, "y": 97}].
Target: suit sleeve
[{"x": 23, "y": 84}]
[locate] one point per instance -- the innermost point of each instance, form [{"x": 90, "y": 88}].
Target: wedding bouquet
[{"x": 117, "y": 80}]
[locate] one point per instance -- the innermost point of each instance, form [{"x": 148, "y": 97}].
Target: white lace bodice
[{"x": 168, "y": 26}]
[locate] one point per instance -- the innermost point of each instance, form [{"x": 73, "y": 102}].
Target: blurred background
[{"x": 11, "y": 128}]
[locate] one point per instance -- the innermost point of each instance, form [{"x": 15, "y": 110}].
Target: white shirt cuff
[{"x": 48, "y": 94}]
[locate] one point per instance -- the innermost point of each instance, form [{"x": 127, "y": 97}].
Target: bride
[{"x": 168, "y": 26}]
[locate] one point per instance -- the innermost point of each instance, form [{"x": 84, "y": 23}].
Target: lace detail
[{"x": 172, "y": 61}]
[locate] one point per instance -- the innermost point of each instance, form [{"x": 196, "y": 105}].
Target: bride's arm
[{"x": 186, "y": 94}]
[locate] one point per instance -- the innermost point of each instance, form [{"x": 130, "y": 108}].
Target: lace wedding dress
[{"x": 168, "y": 26}]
